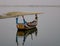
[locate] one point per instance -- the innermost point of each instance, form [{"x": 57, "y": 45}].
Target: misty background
[{"x": 29, "y": 2}]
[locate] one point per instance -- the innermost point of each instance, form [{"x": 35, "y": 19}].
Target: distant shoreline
[{"x": 29, "y": 5}]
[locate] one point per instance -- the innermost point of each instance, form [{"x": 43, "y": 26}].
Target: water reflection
[{"x": 25, "y": 34}]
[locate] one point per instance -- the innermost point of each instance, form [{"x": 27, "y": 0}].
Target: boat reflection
[{"x": 25, "y": 33}]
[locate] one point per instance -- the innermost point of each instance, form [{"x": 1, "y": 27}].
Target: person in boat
[
  {"x": 24, "y": 22},
  {"x": 28, "y": 24},
  {"x": 34, "y": 22}
]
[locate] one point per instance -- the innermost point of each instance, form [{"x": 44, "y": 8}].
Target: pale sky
[{"x": 29, "y": 2}]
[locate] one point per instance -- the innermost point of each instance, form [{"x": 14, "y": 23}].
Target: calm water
[{"x": 48, "y": 33}]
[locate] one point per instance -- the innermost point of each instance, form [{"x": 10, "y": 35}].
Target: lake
[{"x": 48, "y": 28}]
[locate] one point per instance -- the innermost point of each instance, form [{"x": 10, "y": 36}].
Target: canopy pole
[
  {"x": 16, "y": 20},
  {"x": 36, "y": 16},
  {"x": 24, "y": 21}
]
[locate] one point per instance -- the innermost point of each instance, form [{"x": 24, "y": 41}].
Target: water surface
[{"x": 48, "y": 27}]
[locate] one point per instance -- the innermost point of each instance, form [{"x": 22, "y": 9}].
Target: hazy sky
[{"x": 29, "y": 2}]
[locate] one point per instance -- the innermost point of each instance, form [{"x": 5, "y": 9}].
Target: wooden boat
[
  {"x": 25, "y": 33},
  {"x": 28, "y": 25}
]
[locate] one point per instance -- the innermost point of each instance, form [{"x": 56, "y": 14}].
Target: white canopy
[{"x": 15, "y": 14}]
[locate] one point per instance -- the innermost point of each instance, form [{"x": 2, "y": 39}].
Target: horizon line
[{"x": 29, "y": 5}]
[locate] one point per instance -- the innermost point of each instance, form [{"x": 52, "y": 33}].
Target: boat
[
  {"x": 25, "y": 25},
  {"x": 28, "y": 25},
  {"x": 25, "y": 33}
]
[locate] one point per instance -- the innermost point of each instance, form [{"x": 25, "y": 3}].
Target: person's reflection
[{"x": 25, "y": 33}]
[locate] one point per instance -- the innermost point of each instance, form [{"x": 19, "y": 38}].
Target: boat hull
[{"x": 21, "y": 26}]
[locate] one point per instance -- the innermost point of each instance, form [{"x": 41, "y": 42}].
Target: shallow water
[{"x": 48, "y": 33}]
